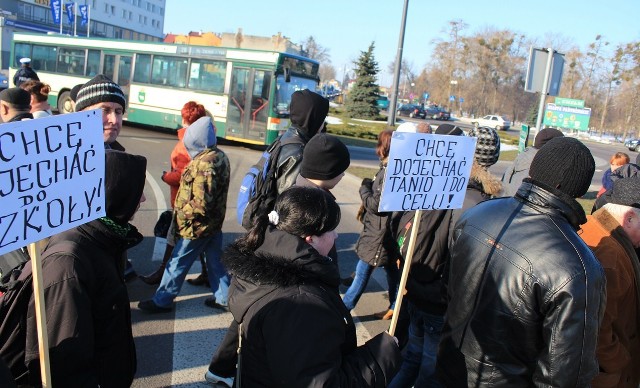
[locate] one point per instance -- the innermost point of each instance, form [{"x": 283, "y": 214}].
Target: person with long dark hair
[{"x": 294, "y": 329}]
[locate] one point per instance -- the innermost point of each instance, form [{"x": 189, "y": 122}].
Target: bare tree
[{"x": 312, "y": 49}]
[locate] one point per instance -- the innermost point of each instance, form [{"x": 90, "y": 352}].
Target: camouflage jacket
[{"x": 201, "y": 201}]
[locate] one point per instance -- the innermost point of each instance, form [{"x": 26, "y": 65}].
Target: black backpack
[
  {"x": 14, "y": 305},
  {"x": 259, "y": 187}
]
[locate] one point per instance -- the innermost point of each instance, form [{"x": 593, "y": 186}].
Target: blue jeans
[
  {"x": 363, "y": 273},
  {"x": 419, "y": 364},
  {"x": 184, "y": 254}
]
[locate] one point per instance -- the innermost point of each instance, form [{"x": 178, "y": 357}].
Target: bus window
[
  {"x": 142, "y": 69},
  {"x": 169, "y": 71},
  {"x": 23, "y": 50},
  {"x": 46, "y": 58},
  {"x": 207, "y": 75},
  {"x": 93, "y": 62},
  {"x": 71, "y": 61}
]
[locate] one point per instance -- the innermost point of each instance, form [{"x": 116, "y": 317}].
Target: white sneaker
[{"x": 215, "y": 379}]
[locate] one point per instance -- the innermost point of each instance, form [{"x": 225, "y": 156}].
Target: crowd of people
[{"x": 519, "y": 287}]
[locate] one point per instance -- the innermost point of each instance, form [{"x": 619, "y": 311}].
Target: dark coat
[
  {"x": 431, "y": 249},
  {"x": 25, "y": 73},
  {"x": 88, "y": 314},
  {"x": 375, "y": 245},
  {"x": 296, "y": 332},
  {"x": 526, "y": 295}
]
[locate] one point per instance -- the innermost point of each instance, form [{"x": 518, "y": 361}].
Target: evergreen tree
[{"x": 361, "y": 101}]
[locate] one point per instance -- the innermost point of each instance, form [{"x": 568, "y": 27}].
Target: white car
[{"x": 492, "y": 121}]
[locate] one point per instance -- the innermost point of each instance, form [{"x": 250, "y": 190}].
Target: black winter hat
[
  {"x": 99, "y": 89},
  {"x": 308, "y": 111},
  {"x": 564, "y": 163},
  {"x": 17, "y": 97},
  {"x": 626, "y": 192},
  {"x": 487, "y": 146},
  {"x": 449, "y": 129},
  {"x": 73, "y": 93},
  {"x": 545, "y": 135},
  {"x": 324, "y": 157},
  {"x": 123, "y": 184}
]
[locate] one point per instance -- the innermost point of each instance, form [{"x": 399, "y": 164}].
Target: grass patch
[
  {"x": 508, "y": 156},
  {"x": 587, "y": 201},
  {"x": 362, "y": 172}
]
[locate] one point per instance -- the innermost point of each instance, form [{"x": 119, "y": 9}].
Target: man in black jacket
[
  {"x": 526, "y": 294},
  {"x": 25, "y": 73}
]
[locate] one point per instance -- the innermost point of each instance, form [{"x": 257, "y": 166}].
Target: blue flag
[
  {"x": 84, "y": 14},
  {"x": 55, "y": 11},
  {"x": 70, "y": 14}
]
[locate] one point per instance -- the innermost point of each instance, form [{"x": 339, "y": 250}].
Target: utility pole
[{"x": 396, "y": 74}]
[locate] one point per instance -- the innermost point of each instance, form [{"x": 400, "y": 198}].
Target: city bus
[{"x": 246, "y": 92}]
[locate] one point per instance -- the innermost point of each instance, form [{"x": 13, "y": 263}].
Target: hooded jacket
[
  {"x": 431, "y": 249},
  {"x": 517, "y": 171},
  {"x": 526, "y": 295},
  {"x": 201, "y": 201},
  {"x": 619, "y": 338},
  {"x": 296, "y": 332},
  {"x": 88, "y": 314},
  {"x": 308, "y": 111}
]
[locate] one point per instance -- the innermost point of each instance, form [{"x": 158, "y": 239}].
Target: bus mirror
[{"x": 287, "y": 74}]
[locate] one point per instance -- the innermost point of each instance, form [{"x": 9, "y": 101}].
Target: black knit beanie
[
  {"x": 99, "y": 89},
  {"x": 73, "y": 93},
  {"x": 324, "y": 157},
  {"x": 449, "y": 129},
  {"x": 17, "y": 97},
  {"x": 564, "y": 163},
  {"x": 545, "y": 135},
  {"x": 487, "y": 146},
  {"x": 626, "y": 192},
  {"x": 123, "y": 184}
]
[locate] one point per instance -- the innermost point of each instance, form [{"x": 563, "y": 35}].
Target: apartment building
[{"x": 120, "y": 19}]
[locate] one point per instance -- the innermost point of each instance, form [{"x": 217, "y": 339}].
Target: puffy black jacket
[
  {"x": 376, "y": 245},
  {"x": 296, "y": 332},
  {"x": 526, "y": 295}
]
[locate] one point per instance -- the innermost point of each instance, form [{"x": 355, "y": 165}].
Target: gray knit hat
[{"x": 99, "y": 89}]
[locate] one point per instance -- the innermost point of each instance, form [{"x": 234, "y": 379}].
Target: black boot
[
  {"x": 203, "y": 278},
  {"x": 154, "y": 278}
]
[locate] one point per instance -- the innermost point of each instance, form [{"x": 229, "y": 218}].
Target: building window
[
  {"x": 106, "y": 8},
  {"x": 124, "y": 13},
  {"x": 113, "y": 10}
]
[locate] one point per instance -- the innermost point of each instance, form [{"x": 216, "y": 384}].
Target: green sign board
[
  {"x": 569, "y": 102},
  {"x": 576, "y": 119},
  {"x": 524, "y": 136}
]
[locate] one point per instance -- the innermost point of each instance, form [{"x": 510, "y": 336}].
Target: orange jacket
[
  {"x": 618, "y": 348},
  {"x": 179, "y": 160}
]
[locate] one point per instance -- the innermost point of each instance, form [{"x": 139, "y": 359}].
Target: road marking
[
  {"x": 159, "y": 243},
  {"x": 146, "y": 140}
]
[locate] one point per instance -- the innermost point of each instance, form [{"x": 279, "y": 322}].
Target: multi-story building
[{"x": 120, "y": 19}]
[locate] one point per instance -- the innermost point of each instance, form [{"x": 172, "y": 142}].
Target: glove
[{"x": 366, "y": 182}]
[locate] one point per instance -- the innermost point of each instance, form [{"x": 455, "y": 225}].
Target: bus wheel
[{"x": 65, "y": 103}]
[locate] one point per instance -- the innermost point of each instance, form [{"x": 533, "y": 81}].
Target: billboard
[{"x": 576, "y": 119}]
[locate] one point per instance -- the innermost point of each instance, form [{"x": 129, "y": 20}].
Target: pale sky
[{"x": 347, "y": 27}]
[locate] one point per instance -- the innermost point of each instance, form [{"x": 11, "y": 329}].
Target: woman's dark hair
[
  {"x": 302, "y": 212},
  {"x": 384, "y": 143},
  {"x": 38, "y": 89},
  {"x": 192, "y": 111}
]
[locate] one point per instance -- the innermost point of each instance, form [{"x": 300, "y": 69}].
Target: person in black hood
[
  {"x": 308, "y": 111},
  {"x": 87, "y": 304},
  {"x": 295, "y": 331}
]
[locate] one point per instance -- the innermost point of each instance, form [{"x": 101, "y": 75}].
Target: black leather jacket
[
  {"x": 526, "y": 295},
  {"x": 290, "y": 157}
]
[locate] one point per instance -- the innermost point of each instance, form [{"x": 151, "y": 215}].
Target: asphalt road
[{"x": 175, "y": 349}]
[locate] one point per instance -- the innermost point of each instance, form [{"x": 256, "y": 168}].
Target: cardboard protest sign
[
  {"x": 427, "y": 171},
  {"x": 51, "y": 176}
]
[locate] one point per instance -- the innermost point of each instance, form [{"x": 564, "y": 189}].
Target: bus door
[
  {"x": 248, "y": 108},
  {"x": 118, "y": 68}
]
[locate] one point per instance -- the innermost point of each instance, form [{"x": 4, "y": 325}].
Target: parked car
[
  {"x": 383, "y": 102},
  {"x": 633, "y": 144},
  {"x": 438, "y": 113},
  {"x": 411, "y": 110},
  {"x": 4, "y": 82},
  {"x": 492, "y": 121}
]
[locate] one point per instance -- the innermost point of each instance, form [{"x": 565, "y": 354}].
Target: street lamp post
[{"x": 396, "y": 74}]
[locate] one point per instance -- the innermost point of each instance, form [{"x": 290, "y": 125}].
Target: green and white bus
[{"x": 246, "y": 92}]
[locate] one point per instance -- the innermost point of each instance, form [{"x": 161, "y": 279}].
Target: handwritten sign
[
  {"x": 51, "y": 176},
  {"x": 427, "y": 171}
]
